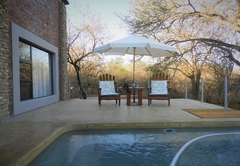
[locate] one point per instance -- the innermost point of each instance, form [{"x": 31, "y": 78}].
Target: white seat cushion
[
  {"x": 107, "y": 88},
  {"x": 159, "y": 87}
]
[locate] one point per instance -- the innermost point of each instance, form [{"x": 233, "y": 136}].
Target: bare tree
[
  {"x": 199, "y": 30},
  {"x": 82, "y": 39},
  {"x": 154, "y": 18}
]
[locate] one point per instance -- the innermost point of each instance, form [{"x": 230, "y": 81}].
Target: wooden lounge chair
[
  {"x": 159, "y": 88},
  {"x": 107, "y": 89}
]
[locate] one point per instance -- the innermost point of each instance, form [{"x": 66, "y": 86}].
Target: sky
[{"x": 107, "y": 10}]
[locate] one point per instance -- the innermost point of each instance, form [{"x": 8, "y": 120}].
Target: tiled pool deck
[{"x": 24, "y": 136}]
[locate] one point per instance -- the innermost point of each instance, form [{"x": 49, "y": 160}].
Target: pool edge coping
[{"x": 28, "y": 157}]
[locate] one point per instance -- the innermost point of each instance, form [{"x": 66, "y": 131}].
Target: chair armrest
[
  {"x": 149, "y": 90},
  {"x": 168, "y": 87},
  {"x": 119, "y": 90},
  {"x": 99, "y": 91}
]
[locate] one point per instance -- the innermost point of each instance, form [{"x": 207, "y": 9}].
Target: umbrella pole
[
  {"x": 134, "y": 54},
  {"x": 134, "y": 51}
]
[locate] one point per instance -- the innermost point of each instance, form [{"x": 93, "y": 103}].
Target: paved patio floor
[{"x": 24, "y": 136}]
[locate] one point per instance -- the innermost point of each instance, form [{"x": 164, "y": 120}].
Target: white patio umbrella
[{"x": 137, "y": 46}]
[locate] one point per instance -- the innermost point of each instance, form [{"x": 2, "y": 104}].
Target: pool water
[
  {"x": 136, "y": 147},
  {"x": 223, "y": 150}
]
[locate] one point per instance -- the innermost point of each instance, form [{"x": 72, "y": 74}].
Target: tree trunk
[
  {"x": 84, "y": 96},
  {"x": 195, "y": 80},
  {"x": 82, "y": 93}
]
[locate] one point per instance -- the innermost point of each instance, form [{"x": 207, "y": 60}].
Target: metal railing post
[
  {"x": 225, "y": 92},
  {"x": 185, "y": 85},
  {"x": 69, "y": 89},
  {"x": 202, "y": 94}
]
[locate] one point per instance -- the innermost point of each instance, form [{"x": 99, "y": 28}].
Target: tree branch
[{"x": 212, "y": 41}]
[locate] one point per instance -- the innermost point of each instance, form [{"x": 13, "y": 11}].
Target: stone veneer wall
[
  {"x": 46, "y": 19},
  {"x": 63, "y": 78},
  {"x": 5, "y": 86}
]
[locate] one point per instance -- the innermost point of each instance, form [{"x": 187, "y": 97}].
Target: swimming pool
[{"x": 142, "y": 147}]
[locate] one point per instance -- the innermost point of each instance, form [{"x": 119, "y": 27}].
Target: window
[{"x": 35, "y": 72}]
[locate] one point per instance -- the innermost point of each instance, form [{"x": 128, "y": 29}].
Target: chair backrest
[
  {"x": 159, "y": 84},
  {"x": 160, "y": 76},
  {"x": 107, "y": 83},
  {"x": 108, "y": 77}
]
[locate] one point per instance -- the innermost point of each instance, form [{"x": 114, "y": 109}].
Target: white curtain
[{"x": 41, "y": 70}]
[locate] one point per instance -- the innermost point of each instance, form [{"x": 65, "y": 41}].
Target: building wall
[
  {"x": 45, "y": 19},
  {"x": 5, "y": 86},
  {"x": 40, "y": 17},
  {"x": 63, "y": 77}
]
